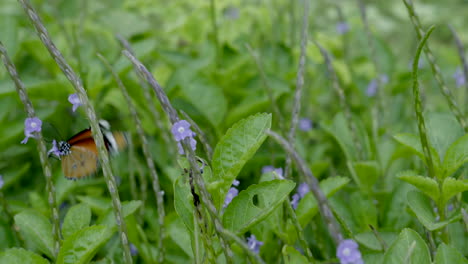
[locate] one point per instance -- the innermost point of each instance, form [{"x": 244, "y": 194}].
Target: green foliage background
[{"x": 218, "y": 84}]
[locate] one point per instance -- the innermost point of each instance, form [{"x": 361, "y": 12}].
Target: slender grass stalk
[
  {"x": 418, "y": 106},
  {"x": 461, "y": 54},
  {"x": 343, "y": 101},
  {"x": 148, "y": 156},
  {"x": 373, "y": 56},
  {"x": 170, "y": 144},
  {"x": 172, "y": 114},
  {"x": 255, "y": 258},
  {"x": 299, "y": 84},
  {"x": 434, "y": 67},
  {"x": 41, "y": 147},
  {"x": 214, "y": 24},
  {"x": 91, "y": 114},
  {"x": 292, "y": 22},
  {"x": 267, "y": 86},
  {"x": 379, "y": 238},
  {"x": 131, "y": 173},
  {"x": 143, "y": 182},
  {"x": 422, "y": 129},
  {"x": 200, "y": 134},
  {"x": 299, "y": 231},
  {"x": 200, "y": 224},
  {"x": 313, "y": 184}
]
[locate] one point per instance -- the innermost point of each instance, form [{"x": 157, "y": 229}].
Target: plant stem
[
  {"x": 461, "y": 54},
  {"x": 299, "y": 231},
  {"x": 299, "y": 84},
  {"x": 148, "y": 156},
  {"x": 313, "y": 183},
  {"x": 91, "y": 114},
  {"x": 435, "y": 69},
  {"x": 41, "y": 147}
]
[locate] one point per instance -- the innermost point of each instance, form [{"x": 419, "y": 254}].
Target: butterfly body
[{"x": 79, "y": 154}]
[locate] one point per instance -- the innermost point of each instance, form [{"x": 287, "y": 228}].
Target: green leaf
[
  {"x": 77, "y": 218},
  {"x": 451, "y": 187},
  {"x": 207, "y": 98},
  {"x": 448, "y": 255},
  {"x": 183, "y": 202},
  {"x": 442, "y": 130},
  {"x": 422, "y": 208},
  {"x": 456, "y": 156},
  {"x": 425, "y": 184},
  {"x": 413, "y": 142},
  {"x": 367, "y": 173},
  {"x": 369, "y": 240},
  {"x": 37, "y": 231},
  {"x": 21, "y": 256},
  {"x": 178, "y": 232},
  {"x": 235, "y": 148},
  {"x": 128, "y": 208},
  {"x": 292, "y": 256},
  {"x": 408, "y": 248},
  {"x": 83, "y": 245},
  {"x": 255, "y": 204},
  {"x": 308, "y": 207}
]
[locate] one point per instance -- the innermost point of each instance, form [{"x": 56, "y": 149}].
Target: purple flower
[
  {"x": 133, "y": 250},
  {"x": 372, "y": 88},
  {"x": 1, "y": 181},
  {"x": 459, "y": 78},
  {"x": 31, "y": 125},
  {"x": 342, "y": 27},
  {"x": 303, "y": 189},
  {"x": 181, "y": 129},
  {"x": 295, "y": 200},
  {"x": 254, "y": 244},
  {"x": 384, "y": 78},
  {"x": 193, "y": 145},
  {"x": 231, "y": 12},
  {"x": 235, "y": 183},
  {"x": 267, "y": 168},
  {"x": 348, "y": 252},
  {"x": 55, "y": 150},
  {"x": 233, "y": 192},
  {"x": 75, "y": 101},
  {"x": 305, "y": 124},
  {"x": 270, "y": 168}
]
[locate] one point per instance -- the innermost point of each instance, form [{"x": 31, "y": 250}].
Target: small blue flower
[
  {"x": 348, "y": 252},
  {"x": 133, "y": 250},
  {"x": 295, "y": 200},
  {"x": 236, "y": 183},
  {"x": 193, "y": 145},
  {"x": 459, "y": 78},
  {"x": 181, "y": 129},
  {"x": 1, "y": 181},
  {"x": 372, "y": 88},
  {"x": 342, "y": 27},
  {"x": 305, "y": 124},
  {"x": 231, "y": 12},
  {"x": 75, "y": 101},
  {"x": 270, "y": 168},
  {"x": 31, "y": 125},
  {"x": 55, "y": 150},
  {"x": 267, "y": 168},
  {"x": 303, "y": 189},
  {"x": 254, "y": 244},
  {"x": 233, "y": 192}
]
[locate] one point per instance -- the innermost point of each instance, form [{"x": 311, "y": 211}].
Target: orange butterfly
[{"x": 79, "y": 154}]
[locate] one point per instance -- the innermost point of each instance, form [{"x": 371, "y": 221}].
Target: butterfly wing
[{"x": 82, "y": 160}]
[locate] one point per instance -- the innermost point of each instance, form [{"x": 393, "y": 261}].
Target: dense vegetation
[{"x": 270, "y": 131}]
